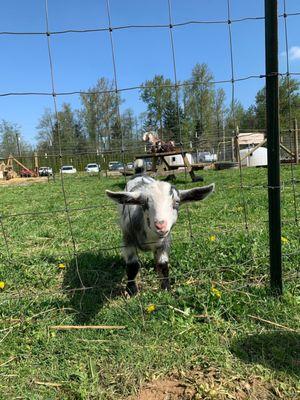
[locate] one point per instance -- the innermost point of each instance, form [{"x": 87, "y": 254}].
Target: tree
[
  {"x": 198, "y": 98},
  {"x": 157, "y": 93},
  {"x": 67, "y": 129},
  {"x": 64, "y": 133},
  {"x": 249, "y": 120},
  {"x": 289, "y": 103},
  {"x": 46, "y": 131},
  {"x": 173, "y": 120},
  {"x": 219, "y": 111},
  {"x": 128, "y": 124},
  {"x": 99, "y": 113},
  {"x": 235, "y": 116},
  {"x": 11, "y": 141}
]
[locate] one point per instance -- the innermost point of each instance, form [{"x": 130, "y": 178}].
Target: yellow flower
[
  {"x": 215, "y": 292},
  {"x": 61, "y": 266},
  {"x": 151, "y": 308},
  {"x": 212, "y": 238},
  {"x": 2, "y": 285},
  {"x": 284, "y": 239}
]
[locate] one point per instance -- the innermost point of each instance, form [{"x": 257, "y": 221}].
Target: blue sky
[{"x": 80, "y": 59}]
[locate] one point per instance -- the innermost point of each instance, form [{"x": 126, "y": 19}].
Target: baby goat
[{"x": 148, "y": 211}]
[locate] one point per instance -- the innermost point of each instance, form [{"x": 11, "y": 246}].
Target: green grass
[{"x": 173, "y": 338}]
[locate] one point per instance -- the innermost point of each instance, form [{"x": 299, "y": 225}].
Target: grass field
[{"x": 203, "y": 336}]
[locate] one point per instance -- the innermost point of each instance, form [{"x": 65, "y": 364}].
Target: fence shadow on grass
[
  {"x": 101, "y": 275},
  {"x": 276, "y": 350}
]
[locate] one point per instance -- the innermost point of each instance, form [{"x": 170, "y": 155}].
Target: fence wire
[
  {"x": 233, "y": 111},
  {"x": 68, "y": 217},
  {"x": 293, "y": 159}
]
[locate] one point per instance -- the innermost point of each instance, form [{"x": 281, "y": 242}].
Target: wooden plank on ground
[{"x": 78, "y": 327}]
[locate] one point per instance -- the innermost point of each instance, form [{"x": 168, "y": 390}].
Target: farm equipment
[{"x": 7, "y": 169}]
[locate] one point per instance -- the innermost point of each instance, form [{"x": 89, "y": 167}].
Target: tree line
[{"x": 193, "y": 111}]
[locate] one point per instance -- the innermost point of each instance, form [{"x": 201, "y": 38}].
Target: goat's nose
[{"x": 161, "y": 225}]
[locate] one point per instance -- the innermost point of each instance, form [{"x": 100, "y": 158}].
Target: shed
[
  {"x": 176, "y": 160},
  {"x": 257, "y": 158}
]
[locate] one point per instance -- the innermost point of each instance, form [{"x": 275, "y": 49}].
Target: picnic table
[{"x": 161, "y": 166}]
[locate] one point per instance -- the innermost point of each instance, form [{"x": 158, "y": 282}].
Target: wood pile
[{"x": 7, "y": 172}]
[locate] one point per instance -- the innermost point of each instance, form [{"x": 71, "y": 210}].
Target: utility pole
[{"x": 18, "y": 144}]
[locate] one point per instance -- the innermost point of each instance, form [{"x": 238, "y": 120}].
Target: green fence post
[{"x": 273, "y": 140}]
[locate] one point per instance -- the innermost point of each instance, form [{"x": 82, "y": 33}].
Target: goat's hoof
[
  {"x": 166, "y": 286},
  {"x": 132, "y": 288}
]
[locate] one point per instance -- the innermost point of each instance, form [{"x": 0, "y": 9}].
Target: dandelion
[
  {"x": 284, "y": 240},
  {"x": 151, "y": 308},
  {"x": 61, "y": 266},
  {"x": 215, "y": 292},
  {"x": 2, "y": 285},
  {"x": 213, "y": 238}
]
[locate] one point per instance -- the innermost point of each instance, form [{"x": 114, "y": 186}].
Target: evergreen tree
[
  {"x": 173, "y": 120},
  {"x": 235, "y": 117},
  {"x": 128, "y": 126},
  {"x": 157, "y": 93},
  {"x": 198, "y": 99},
  {"x": 289, "y": 100}
]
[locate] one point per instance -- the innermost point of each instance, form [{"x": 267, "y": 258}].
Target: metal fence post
[{"x": 273, "y": 137}]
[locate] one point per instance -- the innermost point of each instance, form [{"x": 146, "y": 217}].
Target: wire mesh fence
[{"x": 68, "y": 218}]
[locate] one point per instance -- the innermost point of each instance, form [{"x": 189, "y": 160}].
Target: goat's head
[
  {"x": 160, "y": 203},
  {"x": 150, "y": 137}
]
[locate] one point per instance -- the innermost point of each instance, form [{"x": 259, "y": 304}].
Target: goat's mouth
[{"x": 162, "y": 234}]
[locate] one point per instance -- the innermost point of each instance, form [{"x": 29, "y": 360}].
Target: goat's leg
[
  {"x": 162, "y": 268},
  {"x": 132, "y": 268}
]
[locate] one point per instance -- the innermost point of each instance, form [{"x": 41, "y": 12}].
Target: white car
[
  {"x": 45, "y": 171},
  {"x": 68, "y": 169},
  {"x": 115, "y": 165},
  {"x": 206, "y": 156},
  {"x": 130, "y": 165},
  {"x": 93, "y": 168}
]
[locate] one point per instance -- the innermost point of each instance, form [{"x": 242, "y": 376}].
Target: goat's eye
[
  {"x": 146, "y": 205},
  {"x": 175, "y": 204}
]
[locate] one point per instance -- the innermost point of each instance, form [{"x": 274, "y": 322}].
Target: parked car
[
  {"x": 45, "y": 171},
  {"x": 26, "y": 173},
  {"x": 206, "y": 156},
  {"x": 93, "y": 167},
  {"x": 130, "y": 165},
  {"x": 115, "y": 165},
  {"x": 68, "y": 169},
  {"x": 148, "y": 165}
]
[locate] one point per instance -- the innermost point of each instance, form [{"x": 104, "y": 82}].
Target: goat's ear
[
  {"x": 126, "y": 197},
  {"x": 196, "y": 194}
]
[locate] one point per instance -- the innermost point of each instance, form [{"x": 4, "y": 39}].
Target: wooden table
[{"x": 160, "y": 165}]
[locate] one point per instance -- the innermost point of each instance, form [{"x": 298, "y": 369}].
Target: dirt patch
[
  {"x": 168, "y": 389},
  {"x": 208, "y": 385},
  {"x": 23, "y": 181}
]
